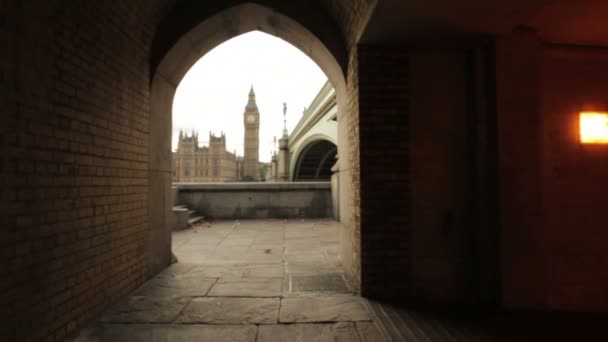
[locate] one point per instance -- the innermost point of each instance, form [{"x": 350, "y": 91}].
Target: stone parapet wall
[{"x": 256, "y": 200}]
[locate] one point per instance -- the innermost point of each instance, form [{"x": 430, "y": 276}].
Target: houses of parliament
[{"x": 213, "y": 163}]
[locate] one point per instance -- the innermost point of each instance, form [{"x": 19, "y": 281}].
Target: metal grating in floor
[{"x": 318, "y": 283}]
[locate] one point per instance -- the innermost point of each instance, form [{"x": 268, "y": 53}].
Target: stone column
[
  {"x": 283, "y": 162},
  {"x": 274, "y": 172},
  {"x": 335, "y": 191}
]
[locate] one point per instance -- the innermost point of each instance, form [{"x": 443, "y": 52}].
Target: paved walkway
[{"x": 255, "y": 280}]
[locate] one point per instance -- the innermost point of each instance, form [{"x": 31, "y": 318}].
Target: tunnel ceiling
[{"x": 581, "y": 22}]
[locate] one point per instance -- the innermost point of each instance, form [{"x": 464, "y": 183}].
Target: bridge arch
[
  {"x": 314, "y": 160},
  {"x": 295, "y": 150}
]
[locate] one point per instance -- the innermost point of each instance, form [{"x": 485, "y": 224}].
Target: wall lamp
[{"x": 593, "y": 127}]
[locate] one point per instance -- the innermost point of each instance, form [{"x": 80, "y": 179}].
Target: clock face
[{"x": 250, "y": 118}]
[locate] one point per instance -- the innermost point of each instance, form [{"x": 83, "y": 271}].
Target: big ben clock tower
[{"x": 251, "y": 119}]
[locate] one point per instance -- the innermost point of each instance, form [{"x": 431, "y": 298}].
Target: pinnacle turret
[
  {"x": 284, "y": 120},
  {"x": 251, "y": 104}
]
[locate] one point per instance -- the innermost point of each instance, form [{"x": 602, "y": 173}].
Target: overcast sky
[{"x": 213, "y": 94}]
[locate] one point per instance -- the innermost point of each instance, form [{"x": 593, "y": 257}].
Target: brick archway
[{"x": 171, "y": 64}]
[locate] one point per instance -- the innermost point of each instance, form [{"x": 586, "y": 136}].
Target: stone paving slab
[
  {"x": 216, "y": 271},
  {"x": 308, "y": 258},
  {"x": 182, "y": 286},
  {"x": 177, "y": 269},
  {"x": 139, "y": 309},
  {"x": 263, "y": 258},
  {"x": 304, "y": 249},
  {"x": 304, "y": 234},
  {"x": 323, "y": 309},
  {"x": 235, "y": 242},
  {"x": 195, "y": 250},
  {"x": 264, "y": 271},
  {"x": 227, "y": 263},
  {"x": 269, "y": 238},
  {"x": 211, "y": 238},
  {"x": 169, "y": 333},
  {"x": 273, "y": 234},
  {"x": 227, "y": 310},
  {"x": 346, "y": 332},
  {"x": 332, "y": 251},
  {"x": 231, "y": 252},
  {"x": 307, "y": 269},
  {"x": 248, "y": 287},
  {"x": 296, "y": 333},
  {"x": 192, "y": 257},
  {"x": 223, "y": 260},
  {"x": 278, "y": 229},
  {"x": 263, "y": 247},
  {"x": 368, "y": 332},
  {"x": 302, "y": 245},
  {"x": 267, "y": 250}
]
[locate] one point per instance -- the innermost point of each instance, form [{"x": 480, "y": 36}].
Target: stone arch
[
  {"x": 188, "y": 33},
  {"x": 315, "y": 160},
  {"x": 295, "y": 154}
]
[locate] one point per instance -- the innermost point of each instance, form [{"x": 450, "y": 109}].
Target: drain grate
[{"x": 323, "y": 283}]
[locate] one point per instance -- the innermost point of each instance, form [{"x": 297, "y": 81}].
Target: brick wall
[
  {"x": 74, "y": 160},
  {"x": 384, "y": 170},
  {"x": 8, "y": 27},
  {"x": 352, "y": 18}
]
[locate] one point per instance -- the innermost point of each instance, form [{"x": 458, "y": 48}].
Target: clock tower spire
[{"x": 251, "y": 120}]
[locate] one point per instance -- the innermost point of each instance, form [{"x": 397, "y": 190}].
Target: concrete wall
[{"x": 257, "y": 200}]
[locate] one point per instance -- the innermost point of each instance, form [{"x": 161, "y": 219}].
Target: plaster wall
[
  {"x": 440, "y": 223},
  {"x": 552, "y": 207},
  {"x": 574, "y": 256},
  {"x": 518, "y": 101}
]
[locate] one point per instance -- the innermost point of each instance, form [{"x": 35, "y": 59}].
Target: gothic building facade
[
  {"x": 193, "y": 163},
  {"x": 199, "y": 164}
]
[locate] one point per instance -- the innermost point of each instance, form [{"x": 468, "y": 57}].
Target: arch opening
[
  {"x": 236, "y": 94},
  {"x": 211, "y": 31},
  {"x": 315, "y": 161}
]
